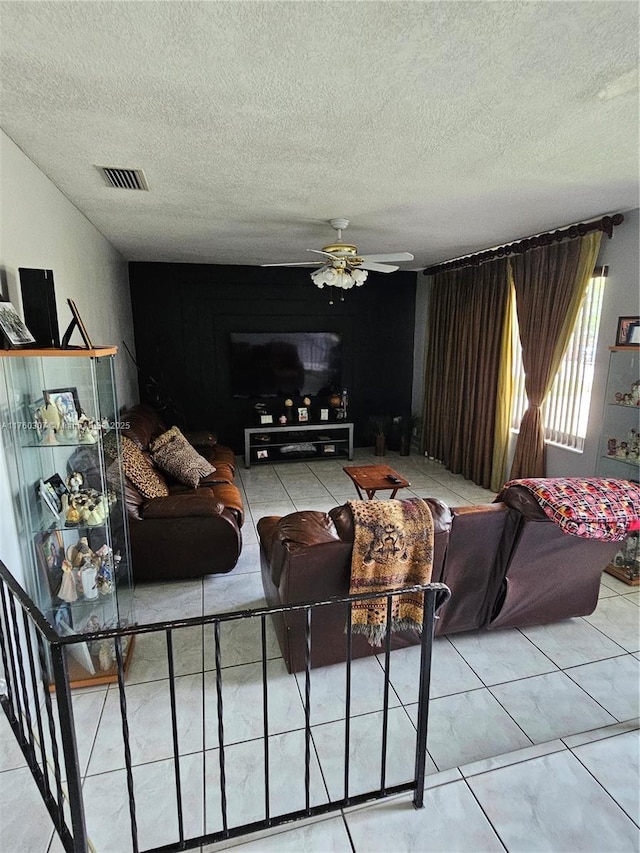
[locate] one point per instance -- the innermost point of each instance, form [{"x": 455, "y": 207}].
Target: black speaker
[{"x": 39, "y": 306}]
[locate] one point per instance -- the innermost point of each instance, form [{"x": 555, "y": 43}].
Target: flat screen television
[{"x": 282, "y": 364}]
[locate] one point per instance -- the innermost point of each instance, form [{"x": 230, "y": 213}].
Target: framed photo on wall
[{"x": 628, "y": 332}]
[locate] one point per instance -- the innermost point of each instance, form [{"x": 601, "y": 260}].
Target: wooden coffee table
[{"x": 373, "y": 478}]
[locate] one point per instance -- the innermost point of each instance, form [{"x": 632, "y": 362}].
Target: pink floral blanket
[{"x": 594, "y": 508}]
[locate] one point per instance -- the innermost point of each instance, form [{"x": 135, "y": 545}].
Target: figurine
[{"x": 67, "y": 591}]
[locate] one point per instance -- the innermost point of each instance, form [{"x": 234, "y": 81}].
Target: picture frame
[
  {"x": 324, "y": 414},
  {"x": 628, "y": 332},
  {"x": 64, "y": 616},
  {"x": 59, "y": 487},
  {"x": 49, "y": 498},
  {"x": 303, "y": 415},
  {"x": 50, "y": 554},
  {"x": 266, "y": 419},
  {"x": 14, "y": 331},
  {"x": 75, "y": 322},
  {"x": 67, "y": 404}
]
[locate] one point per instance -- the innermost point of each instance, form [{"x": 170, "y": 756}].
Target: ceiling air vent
[{"x": 124, "y": 179}]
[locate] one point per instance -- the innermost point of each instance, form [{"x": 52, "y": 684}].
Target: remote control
[{"x": 393, "y": 479}]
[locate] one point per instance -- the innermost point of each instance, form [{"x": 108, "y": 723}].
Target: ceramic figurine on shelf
[
  {"x": 49, "y": 435},
  {"x": 68, "y": 591},
  {"x": 74, "y": 482},
  {"x": 105, "y": 656},
  {"x": 72, "y": 516}
]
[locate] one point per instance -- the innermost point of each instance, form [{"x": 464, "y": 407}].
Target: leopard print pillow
[
  {"x": 173, "y": 454},
  {"x": 138, "y": 468}
]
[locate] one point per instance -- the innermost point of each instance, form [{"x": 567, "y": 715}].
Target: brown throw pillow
[
  {"x": 172, "y": 453},
  {"x": 138, "y": 468}
]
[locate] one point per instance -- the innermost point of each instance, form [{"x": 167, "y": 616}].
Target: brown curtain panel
[
  {"x": 467, "y": 312},
  {"x": 550, "y": 283}
]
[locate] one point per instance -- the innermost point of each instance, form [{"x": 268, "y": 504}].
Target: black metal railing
[{"x": 34, "y": 662}]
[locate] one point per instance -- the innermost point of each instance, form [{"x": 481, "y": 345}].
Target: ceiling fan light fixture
[{"x": 338, "y": 277}]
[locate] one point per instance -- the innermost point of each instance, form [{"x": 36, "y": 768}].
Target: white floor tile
[
  {"x": 249, "y": 559},
  {"x": 149, "y": 721},
  {"x": 11, "y": 756},
  {"x": 572, "y": 642},
  {"x": 156, "y": 812},
  {"x": 157, "y": 602},
  {"x": 615, "y": 584},
  {"x": 328, "y": 690},
  {"x": 150, "y": 658},
  {"x": 550, "y": 706},
  {"x": 614, "y": 763},
  {"x": 497, "y": 656},
  {"x": 365, "y": 753},
  {"x": 240, "y": 642},
  {"x": 227, "y": 593},
  {"x": 244, "y": 774},
  {"x": 319, "y": 836},
  {"x": 613, "y": 683},
  {"x": 26, "y": 825},
  {"x": 243, "y": 717},
  {"x": 319, "y": 504},
  {"x": 553, "y": 804},
  {"x": 618, "y": 619},
  {"x": 468, "y": 727},
  {"x": 450, "y": 820},
  {"x": 449, "y": 672}
]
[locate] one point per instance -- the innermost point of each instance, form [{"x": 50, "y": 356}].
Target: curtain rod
[{"x": 605, "y": 224}]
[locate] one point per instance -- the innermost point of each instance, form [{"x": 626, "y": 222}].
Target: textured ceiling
[{"x": 437, "y": 128}]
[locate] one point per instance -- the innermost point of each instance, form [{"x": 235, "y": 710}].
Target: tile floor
[{"x": 533, "y": 734}]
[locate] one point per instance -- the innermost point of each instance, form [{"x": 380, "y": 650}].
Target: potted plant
[{"x": 380, "y": 426}]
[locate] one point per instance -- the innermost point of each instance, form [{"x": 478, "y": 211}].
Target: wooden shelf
[{"x": 79, "y": 352}]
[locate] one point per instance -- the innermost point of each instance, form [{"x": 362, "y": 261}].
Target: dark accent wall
[{"x": 183, "y": 314}]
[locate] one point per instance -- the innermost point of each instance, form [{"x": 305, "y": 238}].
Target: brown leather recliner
[
  {"x": 505, "y": 563},
  {"x": 189, "y": 532}
]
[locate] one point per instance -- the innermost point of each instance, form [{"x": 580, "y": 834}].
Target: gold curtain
[
  {"x": 550, "y": 283},
  {"x": 468, "y": 309}
]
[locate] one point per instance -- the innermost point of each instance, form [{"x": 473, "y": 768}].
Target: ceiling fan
[{"x": 342, "y": 266}]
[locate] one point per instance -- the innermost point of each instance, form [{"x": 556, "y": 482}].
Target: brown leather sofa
[
  {"x": 187, "y": 532},
  {"x": 506, "y": 564}
]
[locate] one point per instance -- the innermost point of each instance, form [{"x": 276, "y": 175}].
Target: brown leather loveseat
[
  {"x": 178, "y": 530},
  {"x": 506, "y": 564}
]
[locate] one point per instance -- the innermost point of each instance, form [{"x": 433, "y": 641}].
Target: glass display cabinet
[
  {"x": 61, "y": 437},
  {"x": 619, "y": 453}
]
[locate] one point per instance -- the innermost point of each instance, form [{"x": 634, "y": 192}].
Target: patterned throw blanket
[
  {"x": 392, "y": 549},
  {"x": 594, "y": 508}
]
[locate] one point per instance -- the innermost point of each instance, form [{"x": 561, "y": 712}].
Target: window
[{"x": 566, "y": 409}]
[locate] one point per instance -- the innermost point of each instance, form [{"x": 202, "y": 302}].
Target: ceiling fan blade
[
  {"x": 296, "y": 264},
  {"x": 369, "y": 265},
  {"x": 395, "y": 256},
  {"x": 326, "y": 254}
]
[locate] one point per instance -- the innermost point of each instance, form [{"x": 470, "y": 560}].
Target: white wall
[
  {"x": 40, "y": 228},
  {"x": 621, "y": 297}
]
